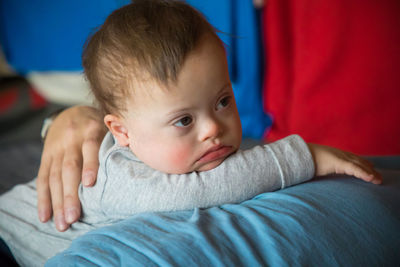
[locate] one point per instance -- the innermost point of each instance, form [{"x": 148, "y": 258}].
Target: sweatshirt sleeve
[{"x": 126, "y": 186}]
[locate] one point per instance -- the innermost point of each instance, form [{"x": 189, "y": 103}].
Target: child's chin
[
  {"x": 203, "y": 167},
  {"x": 210, "y": 165}
]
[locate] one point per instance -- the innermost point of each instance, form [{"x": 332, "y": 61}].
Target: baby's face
[{"x": 191, "y": 126}]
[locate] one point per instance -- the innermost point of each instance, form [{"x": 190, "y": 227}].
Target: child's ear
[{"x": 117, "y": 127}]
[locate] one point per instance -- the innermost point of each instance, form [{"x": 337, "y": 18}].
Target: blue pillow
[{"x": 331, "y": 221}]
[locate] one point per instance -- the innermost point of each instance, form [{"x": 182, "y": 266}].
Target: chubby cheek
[
  {"x": 165, "y": 156},
  {"x": 178, "y": 158}
]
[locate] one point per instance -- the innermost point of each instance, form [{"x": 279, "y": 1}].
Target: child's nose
[{"x": 211, "y": 128}]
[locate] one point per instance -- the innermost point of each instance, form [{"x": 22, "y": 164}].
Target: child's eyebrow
[
  {"x": 223, "y": 88},
  {"x": 183, "y": 110},
  {"x": 177, "y": 111}
]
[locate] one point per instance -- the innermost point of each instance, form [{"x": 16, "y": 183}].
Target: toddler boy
[{"x": 159, "y": 73}]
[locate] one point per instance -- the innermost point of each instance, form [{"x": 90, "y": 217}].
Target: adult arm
[{"x": 70, "y": 155}]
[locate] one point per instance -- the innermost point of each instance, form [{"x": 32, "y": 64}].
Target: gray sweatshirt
[{"x": 126, "y": 186}]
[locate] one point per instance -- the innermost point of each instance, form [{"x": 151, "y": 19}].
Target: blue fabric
[
  {"x": 336, "y": 221},
  {"x": 49, "y": 35},
  {"x": 240, "y": 26}
]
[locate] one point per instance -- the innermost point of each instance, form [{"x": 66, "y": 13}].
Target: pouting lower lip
[{"x": 216, "y": 153}]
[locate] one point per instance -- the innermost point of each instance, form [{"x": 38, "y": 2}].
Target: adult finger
[
  {"x": 56, "y": 192},
  {"x": 94, "y": 133},
  {"x": 43, "y": 190},
  {"x": 90, "y": 151},
  {"x": 71, "y": 177}
]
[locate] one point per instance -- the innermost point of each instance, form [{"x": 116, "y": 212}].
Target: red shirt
[{"x": 333, "y": 72}]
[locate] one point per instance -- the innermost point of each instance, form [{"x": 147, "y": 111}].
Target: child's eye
[
  {"x": 224, "y": 102},
  {"x": 184, "y": 122}
]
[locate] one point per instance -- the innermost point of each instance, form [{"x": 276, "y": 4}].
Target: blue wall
[{"x": 49, "y": 35}]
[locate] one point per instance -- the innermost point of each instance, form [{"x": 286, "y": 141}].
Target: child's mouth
[{"x": 216, "y": 153}]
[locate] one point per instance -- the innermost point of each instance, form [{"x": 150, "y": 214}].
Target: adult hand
[{"x": 70, "y": 156}]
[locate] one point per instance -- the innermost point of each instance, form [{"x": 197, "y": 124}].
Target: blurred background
[
  {"x": 42, "y": 41},
  {"x": 331, "y": 72}
]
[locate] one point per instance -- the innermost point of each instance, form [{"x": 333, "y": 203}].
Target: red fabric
[
  {"x": 333, "y": 72},
  {"x": 8, "y": 98},
  {"x": 37, "y": 101}
]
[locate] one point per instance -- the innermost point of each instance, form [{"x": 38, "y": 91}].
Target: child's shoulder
[{"x": 110, "y": 146}]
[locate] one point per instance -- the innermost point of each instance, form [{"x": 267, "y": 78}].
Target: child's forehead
[
  {"x": 143, "y": 80},
  {"x": 145, "y": 86},
  {"x": 147, "y": 90}
]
